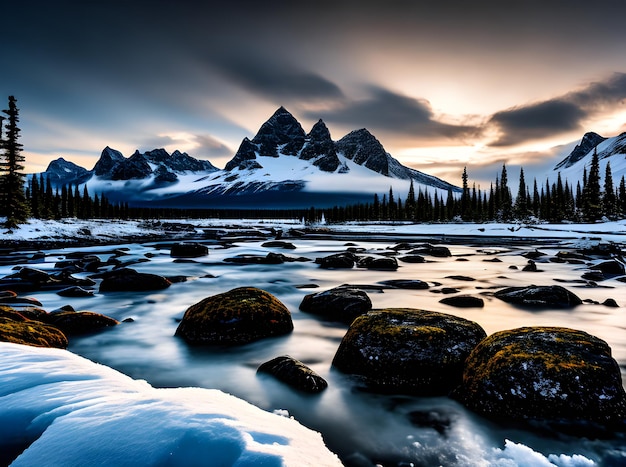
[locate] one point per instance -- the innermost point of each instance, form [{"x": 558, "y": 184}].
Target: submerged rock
[
  {"x": 188, "y": 250},
  {"x": 341, "y": 304},
  {"x": 235, "y": 317},
  {"x": 31, "y": 333},
  {"x": 406, "y": 284},
  {"x": 294, "y": 373},
  {"x": 408, "y": 350},
  {"x": 338, "y": 261},
  {"x": 546, "y": 373},
  {"x": 74, "y": 323},
  {"x": 381, "y": 264},
  {"x": 126, "y": 279},
  {"x": 463, "y": 301},
  {"x": 553, "y": 296}
]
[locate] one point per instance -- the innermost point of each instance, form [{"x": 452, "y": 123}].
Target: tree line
[
  {"x": 558, "y": 201},
  {"x": 590, "y": 200}
]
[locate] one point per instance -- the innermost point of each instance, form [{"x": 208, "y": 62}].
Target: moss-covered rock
[
  {"x": 294, "y": 373},
  {"x": 341, "y": 304},
  {"x": 74, "y": 323},
  {"x": 408, "y": 350},
  {"x": 546, "y": 373},
  {"x": 31, "y": 333},
  {"x": 235, "y": 317}
]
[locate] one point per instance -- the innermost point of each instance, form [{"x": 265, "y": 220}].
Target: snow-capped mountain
[
  {"x": 611, "y": 150},
  {"x": 282, "y": 166}
]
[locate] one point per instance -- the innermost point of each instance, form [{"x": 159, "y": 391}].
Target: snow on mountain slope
[
  {"x": 61, "y": 409},
  {"x": 281, "y": 166},
  {"x": 611, "y": 150}
]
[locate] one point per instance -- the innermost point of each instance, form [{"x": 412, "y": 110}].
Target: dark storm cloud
[
  {"x": 558, "y": 115},
  {"x": 394, "y": 113},
  {"x": 274, "y": 79},
  {"x": 211, "y": 147}
]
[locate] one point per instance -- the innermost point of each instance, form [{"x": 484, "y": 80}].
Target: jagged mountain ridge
[
  {"x": 610, "y": 150},
  {"x": 281, "y": 166}
]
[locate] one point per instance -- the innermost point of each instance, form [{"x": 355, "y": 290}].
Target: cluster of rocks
[
  {"x": 531, "y": 373},
  {"x": 534, "y": 373},
  {"x": 24, "y": 321}
]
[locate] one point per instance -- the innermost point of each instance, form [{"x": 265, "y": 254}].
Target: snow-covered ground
[
  {"x": 76, "y": 412},
  {"x": 109, "y": 230}
]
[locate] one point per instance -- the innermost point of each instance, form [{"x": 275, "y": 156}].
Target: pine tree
[
  {"x": 520, "y": 209},
  {"x": 465, "y": 198},
  {"x": 505, "y": 195},
  {"x": 622, "y": 196},
  {"x": 12, "y": 196},
  {"x": 592, "y": 201},
  {"x": 609, "y": 200}
]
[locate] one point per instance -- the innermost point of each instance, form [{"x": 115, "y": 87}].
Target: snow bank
[
  {"x": 74, "y": 412},
  {"x": 520, "y": 455}
]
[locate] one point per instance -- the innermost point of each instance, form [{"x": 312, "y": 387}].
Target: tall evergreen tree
[
  {"x": 505, "y": 195},
  {"x": 609, "y": 200},
  {"x": 592, "y": 200},
  {"x": 465, "y": 198},
  {"x": 12, "y": 196},
  {"x": 520, "y": 208}
]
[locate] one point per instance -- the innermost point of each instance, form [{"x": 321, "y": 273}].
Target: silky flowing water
[{"x": 363, "y": 427}]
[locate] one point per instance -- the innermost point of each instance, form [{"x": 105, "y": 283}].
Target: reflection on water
[{"x": 357, "y": 424}]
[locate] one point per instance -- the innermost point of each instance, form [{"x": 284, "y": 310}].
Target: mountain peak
[
  {"x": 589, "y": 141},
  {"x": 320, "y": 146},
  {"x": 281, "y": 130}
]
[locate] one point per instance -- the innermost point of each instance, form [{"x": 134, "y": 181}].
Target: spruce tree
[
  {"x": 465, "y": 198},
  {"x": 622, "y": 196},
  {"x": 12, "y": 195},
  {"x": 505, "y": 195},
  {"x": 609, "y": 200},
  {"x": 592, "y": 200},
  {"x": 520, "y": 208}
]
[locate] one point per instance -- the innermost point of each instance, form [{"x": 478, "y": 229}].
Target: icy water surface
[{"x": 362, "y": 427}]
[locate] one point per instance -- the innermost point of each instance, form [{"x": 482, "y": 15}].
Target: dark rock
[
  {"x": 279, "y": 244},
  {"x": 463, "y": 301},
  {"x": 77, "y": 323},
  {"x": 129, "y": 280},
  {"x": 553, "y": 296},
  {"x": 31, "y": 333},
  {"x": 337, "y": 261},
  {"x": 412, "y": 259},
  {"x": 437, "y": 251},
  {"x": 14, "y": 300},
  {"x": 382, "y": 264},
  {"x": 570, "y": 255},
  {"x": 536, "y": 254},
  {"x": 492, "y": 260},
  {"x": 462, "y": 260},
  {"x": 544, "y": 373},
  {"x": 189, "y": 250},
  {"x": 596, "y": 276},
  {"x": 610, "y": 302},
  {"x": 513, "y": 267},
  {"x": 531, "y": 266},
  {"x": 235, "y": 317},
  {"x": 612, "y": 267},
  {"x": 294, "y": 373},
  {"x": 341, "y": 304},
  {"x": 461, "y": 278},
  {"x": 447, "y": 290},
  {"x": 75, "y": 291},
  {"x": 410, "y": 350},
  {"x": 405, "y": 284}
]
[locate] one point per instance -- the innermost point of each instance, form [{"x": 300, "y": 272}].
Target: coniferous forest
[{"x": 593, "y": 198}]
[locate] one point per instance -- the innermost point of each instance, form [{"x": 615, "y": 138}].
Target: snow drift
[{"x": 62, "y": 409}]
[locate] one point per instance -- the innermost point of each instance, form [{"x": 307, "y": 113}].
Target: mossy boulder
[
  {"x": 553, "y": 296},
  {"x": 341, "y": 304},
  {"x": 544, "y": 373},
  {"x": 294, "y": 373},
  {"x": 235, "y": 317},
  {"x": 408, "y": 350},
  {"x": 74, "y": 323},
  {"x": 31, "y": 333},
  {"x": 129, "y": 280}
]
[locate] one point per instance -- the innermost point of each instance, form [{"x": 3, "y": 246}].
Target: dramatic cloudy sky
[{"x": 441, "y": 84}]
